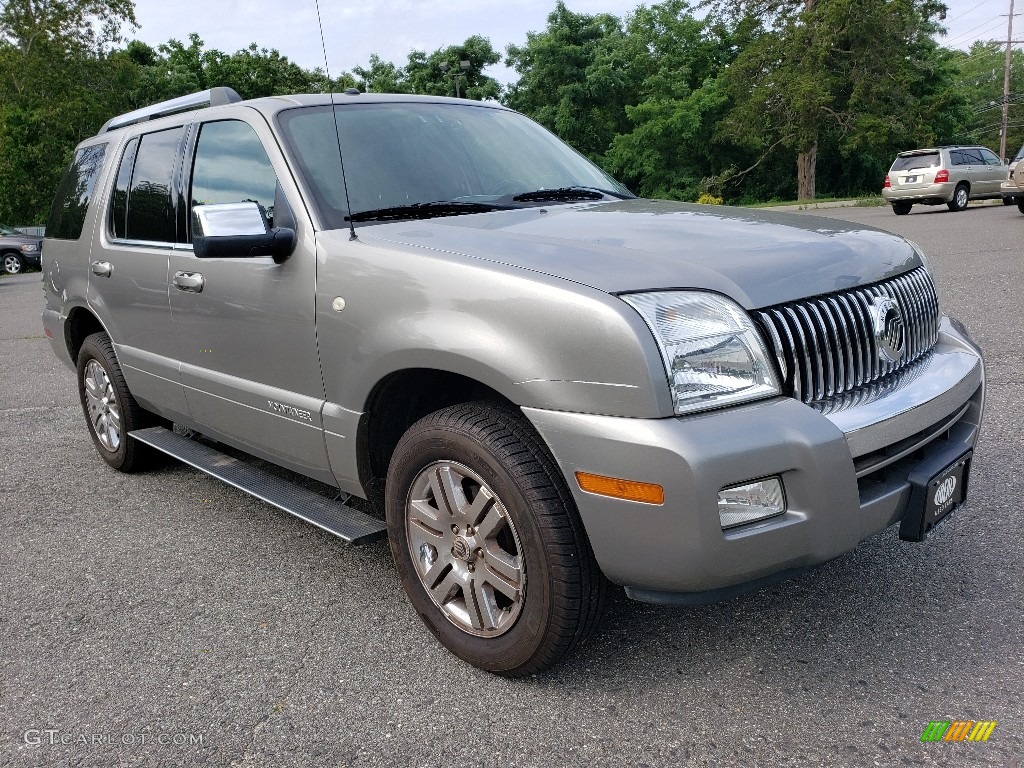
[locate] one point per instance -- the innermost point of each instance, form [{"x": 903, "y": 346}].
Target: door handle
[
  {"x": 189, "y": 281},
  {"x": 102, "y": 268}
]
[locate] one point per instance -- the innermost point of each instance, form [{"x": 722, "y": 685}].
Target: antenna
[{"x": 337, "y": 130}]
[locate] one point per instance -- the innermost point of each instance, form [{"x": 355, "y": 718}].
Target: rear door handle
[
  {"x": 189, "y": 281},
  {"x": 102, "y": 268}
]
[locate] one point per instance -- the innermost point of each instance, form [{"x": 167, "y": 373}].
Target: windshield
[
  {"x": 5, "y": 230},
  {"x": 404, "y": 154},
  {"x": 1020, "y": 154}
]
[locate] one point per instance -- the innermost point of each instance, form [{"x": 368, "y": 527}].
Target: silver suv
[
  {"x": 949, "y": 175},
  {"x": 539, "y": 383}
]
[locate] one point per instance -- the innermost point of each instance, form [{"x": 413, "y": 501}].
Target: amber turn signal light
[{"x": 630, "y": 490}]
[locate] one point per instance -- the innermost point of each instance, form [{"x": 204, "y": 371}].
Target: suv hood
[{"x": 758, "y": 258}]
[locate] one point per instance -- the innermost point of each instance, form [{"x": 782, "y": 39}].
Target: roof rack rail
[{"x": 214, "y": 97}]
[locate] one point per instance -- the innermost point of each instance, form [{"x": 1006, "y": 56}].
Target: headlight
[
  {"x": 712, "y": 352},
  {"x": 29, "y": 248}
]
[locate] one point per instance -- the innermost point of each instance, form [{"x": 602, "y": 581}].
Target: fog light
[{"x": 750, "y": 502}]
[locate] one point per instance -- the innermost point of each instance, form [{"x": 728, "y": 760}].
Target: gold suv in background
[
  {"x": 1013, "y": 187},
  {"x": 950, "y": 175}
]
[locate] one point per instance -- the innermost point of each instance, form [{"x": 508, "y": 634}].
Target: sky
[{"x": 392, "y": 28}]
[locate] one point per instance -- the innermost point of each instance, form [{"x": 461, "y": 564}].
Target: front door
[{"x": 245, "y": 327}]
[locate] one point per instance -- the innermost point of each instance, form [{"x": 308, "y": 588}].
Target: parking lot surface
[{"x": 168, "y": 619}]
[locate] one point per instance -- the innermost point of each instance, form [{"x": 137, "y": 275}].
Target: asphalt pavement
[{"x": 166, "y": 619}]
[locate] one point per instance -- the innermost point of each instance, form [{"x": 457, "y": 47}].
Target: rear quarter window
[
  {"x": 924, "y": 160},
  {"x": 71, "y": 203}
]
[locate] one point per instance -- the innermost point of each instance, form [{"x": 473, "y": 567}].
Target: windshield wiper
[
  {"x": 423, "y": 211},
  {"x": 565, "y": 193}
]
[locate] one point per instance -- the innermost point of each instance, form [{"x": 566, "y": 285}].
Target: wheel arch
[
  {"x": 80, "y": 324},
  {"x": 398, "y": 401}
]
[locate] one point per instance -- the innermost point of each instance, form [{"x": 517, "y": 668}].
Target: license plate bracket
[{"x": 936, "y": 493}]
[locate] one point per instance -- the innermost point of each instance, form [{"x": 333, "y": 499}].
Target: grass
[{"x": 868, "y": 201}]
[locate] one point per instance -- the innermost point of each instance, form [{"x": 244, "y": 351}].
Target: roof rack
[{"x": 214, "y": 97}]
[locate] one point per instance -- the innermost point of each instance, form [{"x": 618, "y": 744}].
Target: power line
[
  {"x": 966, "y": 12},
  {"x": 989, "y": 25}
]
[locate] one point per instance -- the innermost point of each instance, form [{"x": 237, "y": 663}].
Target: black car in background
[{"x": 18, "y": 251}]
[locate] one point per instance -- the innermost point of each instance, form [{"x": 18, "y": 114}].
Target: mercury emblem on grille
[{"x": 890, "y": 330}]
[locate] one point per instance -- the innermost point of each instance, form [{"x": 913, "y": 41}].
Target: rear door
[
  {"x": 247, "y": 337},
  {"x": 128, "y": 268}
]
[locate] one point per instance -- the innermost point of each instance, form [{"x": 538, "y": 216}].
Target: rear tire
[
  {"x": 961, "y": 196},
  {"x": 488, "y": 543},
  {"x": 902, "y": 209},
  {"x": 1020, "y": 206},
  {"x": 109, "y": 408}
]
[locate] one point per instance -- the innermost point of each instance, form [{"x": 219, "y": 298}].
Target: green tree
[
  {"x": 425, "y": 75},
  {"x": 57, "y": 85},
  {"x": 671, "y": 146},
  {"x": 979, "y": 80},
  {"x": 848, "y": 69},
  {"x": 423, "y": 72},
  {"x": 575, "y": 78}
]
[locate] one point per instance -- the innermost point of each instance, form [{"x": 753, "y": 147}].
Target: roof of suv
[{"x": 217, "y": 97}]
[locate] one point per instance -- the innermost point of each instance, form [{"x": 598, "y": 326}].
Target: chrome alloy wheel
[
  {"x": 13, "y": 264},
  {"x": 465, "y": 549},
  {"x": 961, "y": 197},
  {"x": 104, "y": 411}
]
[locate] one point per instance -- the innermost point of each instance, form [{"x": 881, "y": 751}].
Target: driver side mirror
[{"x": 238, "y": 230}]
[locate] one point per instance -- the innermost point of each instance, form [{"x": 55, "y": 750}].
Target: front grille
[{"x": 826, "y": 345}]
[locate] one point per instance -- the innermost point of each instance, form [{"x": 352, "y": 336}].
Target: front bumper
[
  {"x": 844, "y": 464},
  {"x": 933, "y": 194}
]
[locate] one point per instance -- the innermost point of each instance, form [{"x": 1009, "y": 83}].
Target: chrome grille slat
[
  {"x": 826, "y": 345},
  {"x": 793, "y": 374},
  {"x": 830, "y": 351}
]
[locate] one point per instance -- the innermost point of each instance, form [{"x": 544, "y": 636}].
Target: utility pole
[{"x": 1006, "y": 87}]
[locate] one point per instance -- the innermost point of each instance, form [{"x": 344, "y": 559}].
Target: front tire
[
  {"x": 902, "y": 209},
  {"x": 13, "y": 264},
  {"x": 961, "y": 196},
  {"x": 1020, "y": 206},
  {"x": 488, "y": 543},
  {"x": 110, "y": 410}
]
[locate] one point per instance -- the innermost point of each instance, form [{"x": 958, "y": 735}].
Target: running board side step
[{"x": 349, "y": 524}]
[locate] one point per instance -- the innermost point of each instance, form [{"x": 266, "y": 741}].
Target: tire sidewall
[
  {"x": 92, "y": 351},
  {"x": 421, "y": 447}
]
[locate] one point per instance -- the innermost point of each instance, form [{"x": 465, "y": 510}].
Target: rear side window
[
  {"x": 150, "y": 214},
  {"x": 119, "y": 202},
  {"x": 972, "y": 157},
  {"x": 71, "y": 203},
  {"x": 924, "y": 160}
]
